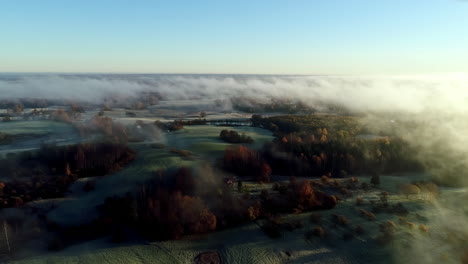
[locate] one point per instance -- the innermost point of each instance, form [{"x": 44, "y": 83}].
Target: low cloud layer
[
  {"x": 447, "y": 93},
  {"x": 437, "y": 105}
]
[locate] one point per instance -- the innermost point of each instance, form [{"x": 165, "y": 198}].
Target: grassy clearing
[
  {"x": 38, "y": 127},
  {"x": 81, "y": 207},
  {"x": 205, "y": 141},
  {"x": 29, "y": 135}
]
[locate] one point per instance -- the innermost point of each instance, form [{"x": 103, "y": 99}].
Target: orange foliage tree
[{"x": 246, "y": 162}]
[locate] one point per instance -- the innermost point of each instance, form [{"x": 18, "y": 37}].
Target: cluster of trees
[
  {"x": 297, "y": 155},
  {"x": 170, "y": 126},
  {"x": 87, "y": 159},
  {"x": 18, "y": 105},
  {"x": 137, "y": 101},
  {"x": 252, "y": 105},
  {"x": 246, "y": 162},
  {"x": 141, "y": 131},
  {"x": 174, "y": 214},
  {"x": 194, "y": 201},
  {"x": 48, "y": 172},
  {"x": 179, "y": 124},
  {"x": 113, "y": 132},
  {"x": 63, "y": 116},
  {"x": 168, "y": 207},
  {"x": 337, "y": 126},
  {"x": 233, "y": 136},
  {"x": 22, "y": 103},
  {"x": 116, "y": 132},
  {"x": 298, "y": 196},
  {"x": 318, "y": 145}
]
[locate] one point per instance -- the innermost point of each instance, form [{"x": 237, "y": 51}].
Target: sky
[{"x": 312, "y": 37}]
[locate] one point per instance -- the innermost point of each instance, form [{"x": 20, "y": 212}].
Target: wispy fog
[
  {"x": 446, "y": 93},
  {"x": 434, "y": 108}
]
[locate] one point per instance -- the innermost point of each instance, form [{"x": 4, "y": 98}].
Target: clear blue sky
[{"x": 241, "y": 36}]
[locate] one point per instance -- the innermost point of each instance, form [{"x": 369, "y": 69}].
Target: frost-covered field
[
  {"x": 31, "y": 134},
  {"x": 199, "y": 140},
  {"x": 444, "y": 218},
  {"x": 248, "y": 244},
  {"x": 205, "y": 141}
]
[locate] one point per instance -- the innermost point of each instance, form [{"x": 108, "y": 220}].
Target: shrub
[
  {"x": 318, "y": 231},
  {"x": 384, "y": 198},
  {"x": 429, "y": 188},
  {"x": 342, "y": 220},
  {"x": 359, "y": 201},
  {"x": 387, "y": 227},
  {"x": 368, "y": 215},
  {"x": 339, "y": 219},
  {"x": 232, "y": 136},
  {"x": 464, "y": 258},
  {"x": 423, "y": 228},
  {"x": 252, "y": 213},
  {"x": 406, "y": 223},
  {"x": 409, "y": 189},
  {"x": 325, "y": 179},
  {"x": 375, "y": 179}
]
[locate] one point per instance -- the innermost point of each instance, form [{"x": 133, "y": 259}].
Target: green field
[
  {"x": 39, "y": 127},
  {"x": 81, "y": 206},
  {"x": 29, "y": 135},
  {"x": 205, "y": 141},
  {"x": 202, "y": 141}
]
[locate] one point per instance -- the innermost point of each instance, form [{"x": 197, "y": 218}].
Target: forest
[
  {"x": 233, "y": 136},
  {"x": 317, "y": 145},
  {"x": 48, "y": 172},
  {"x": 183, "y": 202}
]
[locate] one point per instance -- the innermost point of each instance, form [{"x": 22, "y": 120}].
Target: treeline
[
  {"x": 246, "y": 162},
  {"x": 318, "y": 145},
  {"x": 112, "y": 131},
  {"x": 87, "y": 159},
  {"x": 138, "y": 101},
  {"x": 27, "y": 103},
  {"x": 233, "y": 136},
  {"x": 177, "y": 124},
  {"x": 278, "y": 105},
  {"x": 18, "y": 105},
  {"x": 283, "y": 105},
  {"x": 191, "y": 201},
  {"x": 115, "y": 132},
  {"x": 48, "y": 172}
]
